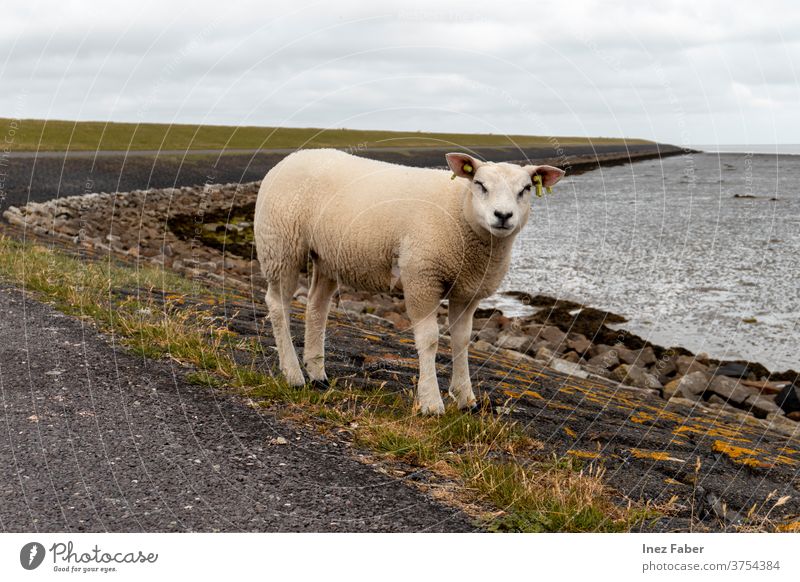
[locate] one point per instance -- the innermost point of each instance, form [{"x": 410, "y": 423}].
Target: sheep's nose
[{"x": 503, "y": 216}]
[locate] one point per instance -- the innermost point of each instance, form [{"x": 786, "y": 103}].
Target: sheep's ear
[
  {"x": 462, "y": 165},
  {"x": 550, "y": 175}
]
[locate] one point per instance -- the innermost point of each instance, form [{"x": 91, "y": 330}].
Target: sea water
[{"x": 699, "y": 250}]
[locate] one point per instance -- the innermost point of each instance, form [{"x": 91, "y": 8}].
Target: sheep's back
[{"x": 350, "y": 213}]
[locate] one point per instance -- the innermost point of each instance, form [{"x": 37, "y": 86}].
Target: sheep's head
[{"x": 500, "y": 192}]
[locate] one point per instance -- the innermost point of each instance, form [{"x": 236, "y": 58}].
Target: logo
[{"x": 31, "y": 555}]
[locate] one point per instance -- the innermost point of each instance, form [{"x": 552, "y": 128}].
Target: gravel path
[{"x": 95, "y": 439}]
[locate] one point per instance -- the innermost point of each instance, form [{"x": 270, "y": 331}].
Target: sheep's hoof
[
  {"x": 473, "y": 408},
  {"x": 323, "y": 384},
  {"x": 297, "y": 380},
  {"x": 436, "y": 409}
]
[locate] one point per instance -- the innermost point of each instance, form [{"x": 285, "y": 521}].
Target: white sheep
[{"x": 375, "y": 226}]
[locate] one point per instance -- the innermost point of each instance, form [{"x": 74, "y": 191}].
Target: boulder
[
  {"x": 729, "y": 389},
  {"x": 732, "y": 369},
  {"x": 484, "y": 346},
  {"x": 636, "y": 376},
  {"x": 400, "y": 322},
  {"x": 647, "y": 357},
  {"x": 598, "y": 349},
  {"x": 571, "y": 357},
  {"x": 353, "y": 306},
  {"x": 625, "y": 355},
  {"x": 664, "y": 368},
  {"x": 579, "y": 343},
  {"x": 688, "y": 364},
  {"x": 566, "y": 367},
  {"x": 789, "y": 399},
  {"x": 545, "y": 354},
  {"x": 553, "y": 335},
  {"x": 692, "y": 386},
  {"x": 488, "y": 335},
  {"x": 532, "y": 329},
  {"x": 509, "y": 341},
  {"x": 605, "y": 360},
  {"x": 761, "y": 406},
  {"x": 721, "y": 403},
  {"x": 515, "y": 355}
]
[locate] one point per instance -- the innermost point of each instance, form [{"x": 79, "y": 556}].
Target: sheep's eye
[
  {"x": 525, "y": 189},
  {"x": 483, "y": 188}
]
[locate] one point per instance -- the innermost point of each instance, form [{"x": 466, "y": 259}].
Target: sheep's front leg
[
  {"x": 279, "y": 298},
  {"x": 460, "y": 316},
  {"x": 421, "y": 308},
  {"x": 317, "y": 308}
]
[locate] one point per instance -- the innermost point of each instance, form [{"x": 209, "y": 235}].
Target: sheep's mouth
[{"x": 501, "y": 231}]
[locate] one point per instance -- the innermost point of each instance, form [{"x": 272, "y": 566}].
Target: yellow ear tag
[
  {"x": 466, "y": 167},
  {"x": 537, "y": 179}
]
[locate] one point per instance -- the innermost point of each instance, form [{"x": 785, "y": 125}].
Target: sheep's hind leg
[
  {"x": 460, "y": 316},
  {"x": 317, "y": 308},
  {"x": 279, "y": 297},
  {"x": 422, "y": 311}
]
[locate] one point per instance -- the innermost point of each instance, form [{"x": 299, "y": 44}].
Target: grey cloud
[{"x": 586, "y": 68}]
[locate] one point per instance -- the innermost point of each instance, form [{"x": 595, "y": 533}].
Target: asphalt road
[{"x": 95, "y": 439}]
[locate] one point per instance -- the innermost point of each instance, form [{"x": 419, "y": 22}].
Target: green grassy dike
[
  {"x": 57, "y": 135},
  {"x": 494, "y": 464}
]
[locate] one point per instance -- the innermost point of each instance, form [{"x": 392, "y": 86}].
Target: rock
[
  {"x": 279, "y": 441},
  {"x": 598, "y": 349},
  {"x": 579, "y": 343},
  {"x": 765, "y": 386},
  {"x": 488, "y": 335},
  {"x": 664, "y": 368},
  {"x": 721, "y": 403},
  {"x": 567, "y": 367},
  {"x": 761, "y": 406},
  {"x": 732, "y": 369},
  {"x": 400, "y": 322},
  {"x": 692, "y": 386},
  {"x": 729, "y": 390},
  {"x": 635, "y": 376},
  {"x": 677, "y": 399},
  {"x": 353, "y": 306},
  {"x": 782, "y": 424},
  {"x": 510, "y": 341},
  {"x": 553, "y": 335},
  {"x": 514, "y": 355},
  {"x": 789, "y": 399},
  {"x": 688, "y": 364},
  {"x": 484, "y": 346},
  {"x": 533, "y": 329},
  {"x": 571, "y": 357},
  {"x": 545, "y": 354},
  {"x": 647, "y": 357},
  {"x": 625, "y": 355},
  {"x": 484, "y": 323},
  {"x": 605, "y": 360}
]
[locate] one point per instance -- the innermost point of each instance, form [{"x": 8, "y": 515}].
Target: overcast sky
[{"x": 682, "y": 72}]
